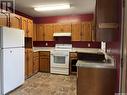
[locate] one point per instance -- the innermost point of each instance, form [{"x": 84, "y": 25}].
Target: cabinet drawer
[
  {"x": 73, "y": 55},
  {"x": 45, "y": 54},
  {"x": 35, "y": 54}
]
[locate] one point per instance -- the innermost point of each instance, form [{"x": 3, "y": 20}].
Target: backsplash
[{"x": 76, "y": 44}]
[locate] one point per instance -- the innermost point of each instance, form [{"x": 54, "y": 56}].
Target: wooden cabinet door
[
  {"x": 66, "y": 27},
  {"x": 15, "y": 21},
  {"x": 36, "y": 65},
  {"x": 40, "y": 32},
  {"x": 106, "y": 13},
  {"x": 30, "y": 27},
  {"x": 48, "y": 32},
  {"x": 62, "y": 27},
  {"x": 34, "y": 32},
  {"x": 44, "y": 65},
  {"x": 26, "y": 64},
  {"x": 58, "y": 27},
  {"x": 24, "y": 25},
  {"x": 30, "y": 62},
  {"x": 3, "y": 20},
  {"x": 76, "y": 32},
  {"x": 86, "y": 31},
  {"x": 35, "y": 62}
]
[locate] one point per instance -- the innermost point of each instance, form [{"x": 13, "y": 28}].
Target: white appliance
[
  {"x": 11, "y": 59},
  {"x": 60, "y": 59},
  {"x": 60, "y": 34}
]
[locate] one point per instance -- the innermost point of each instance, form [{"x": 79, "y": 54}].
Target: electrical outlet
[
  {"x": 46, "y": 44},
  {"x": 88, "y": 44}
]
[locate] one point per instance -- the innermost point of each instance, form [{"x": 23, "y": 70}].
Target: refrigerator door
[
  {"x": 11, "y": 37},
  {"x": 13, "y": 69}
]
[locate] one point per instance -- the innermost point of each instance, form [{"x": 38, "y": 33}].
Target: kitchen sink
[{"x": 92, "y": 57}]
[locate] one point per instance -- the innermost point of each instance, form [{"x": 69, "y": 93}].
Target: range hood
[{"x": 60, "y": 34}]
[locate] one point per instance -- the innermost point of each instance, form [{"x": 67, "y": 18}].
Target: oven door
[{"x": 60, "y": 59}]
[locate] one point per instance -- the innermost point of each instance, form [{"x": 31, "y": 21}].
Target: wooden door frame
[{"x": 123, "y": 78}]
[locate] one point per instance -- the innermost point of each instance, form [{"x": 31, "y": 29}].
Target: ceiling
[{"x": 78, "y": 7}]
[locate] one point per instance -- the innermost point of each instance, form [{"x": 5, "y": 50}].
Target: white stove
[{"x": 60, "y": 59}]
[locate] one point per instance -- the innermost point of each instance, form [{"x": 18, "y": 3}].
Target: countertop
[
  {"x": 90, "y": 50},
  {"x": 90, "y": 64},
  {"x": 81, "y": 63}
]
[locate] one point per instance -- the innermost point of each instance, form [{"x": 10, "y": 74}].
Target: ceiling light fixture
[{"x": 52, "y": 7}]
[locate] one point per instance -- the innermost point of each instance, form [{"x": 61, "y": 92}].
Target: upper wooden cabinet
[
  {"x": 27, "y": 26},
  {"x": 40, "y": 32},
  {"x": 48, "y": 32},
  {"x": 3, "y": 20},
  {"x": 34, "y": 32},
  {"x": 106, "y": 19},
  {"x": 24, "y": 25},
  {"x": 86, "y": 34},
  {"x": 76, "y": 31},
  {"x": 15, "y": 21},
  {"x": 82, "y": 31},
  {"x": 62, "y": 27},
  {"x": 30, "y": 28}
]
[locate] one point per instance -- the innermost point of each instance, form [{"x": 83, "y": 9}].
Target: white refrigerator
[{"x": 12, "y": 61}]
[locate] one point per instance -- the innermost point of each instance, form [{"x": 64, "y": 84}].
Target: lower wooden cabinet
[
  {"x": 28, "y": 63},
  {"x": 73, "y": 60},
  {"x": 44, "y": 61},
  {"x": 35, "y": 62}
]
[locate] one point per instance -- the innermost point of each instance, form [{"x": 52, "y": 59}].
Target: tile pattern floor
[{"x": 48, "y": 84}]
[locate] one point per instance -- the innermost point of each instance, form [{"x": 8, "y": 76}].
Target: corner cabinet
[{"x": 106, "y": 19}]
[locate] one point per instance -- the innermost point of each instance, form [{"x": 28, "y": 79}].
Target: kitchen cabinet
[
  {"x": 76, "y": 32},
  {"x": 40, "y": 32},
  {"x": 82, "y": 31},
  {"x": 100, "y": 81},
  {"x": 35, "y": 62},
  {"x": 48, "y": 32},
  {"x": 44, "y": 61},
  {"x": 62, "y": 27},
  {"x": 15, "y": 21},
  {"x": 106, "y": 19},
  {"x": 28, "y": 63},
  {"x": 73, "y": 60},
  {"x": 3, "y": 20},
  {"x": 34, "y": 32},
  {"x": 24, "y": 25},
  {"x": 86, "y": 34},
  {"x": 29, "y": 28}
]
